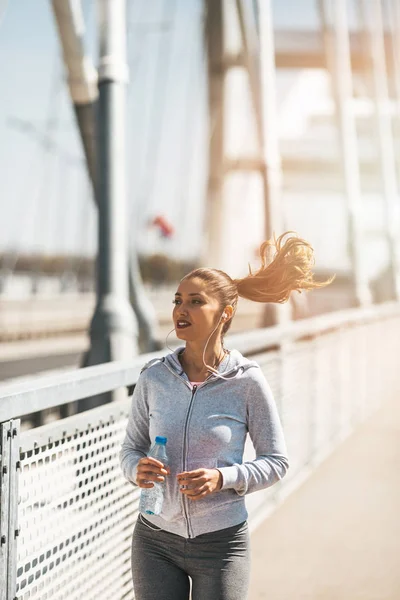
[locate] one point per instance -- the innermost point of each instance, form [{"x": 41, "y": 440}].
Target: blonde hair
[{"x": 286, "y": 266}]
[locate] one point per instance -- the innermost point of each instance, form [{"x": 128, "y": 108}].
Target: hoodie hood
[{"x": 232, "y": 365}]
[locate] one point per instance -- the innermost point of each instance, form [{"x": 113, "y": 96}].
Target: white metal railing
[{"x": 66, "y": 513}]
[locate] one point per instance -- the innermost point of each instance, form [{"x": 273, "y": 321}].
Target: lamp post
[{"x": 113, "y": 330}]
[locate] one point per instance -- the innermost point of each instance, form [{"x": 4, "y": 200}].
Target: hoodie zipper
[
  {"x": 184, "y": 453},
  {"x": 185, "y": 505},
  {"x": 184, "y": 460}
]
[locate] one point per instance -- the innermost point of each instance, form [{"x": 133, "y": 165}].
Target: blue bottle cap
[{"x": 161, "y": 440}]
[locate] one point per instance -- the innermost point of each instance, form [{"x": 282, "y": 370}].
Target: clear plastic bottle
[{"x": 151, "y": 499}]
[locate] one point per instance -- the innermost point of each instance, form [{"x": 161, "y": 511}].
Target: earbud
[{"x": 224, "y": 316}]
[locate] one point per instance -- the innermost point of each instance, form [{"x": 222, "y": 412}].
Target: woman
[{"x": 205, "y": 399}]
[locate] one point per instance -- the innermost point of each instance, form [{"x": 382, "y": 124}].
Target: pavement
[{"x": 337, "y": 537}]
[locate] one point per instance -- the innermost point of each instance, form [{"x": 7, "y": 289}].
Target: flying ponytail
[{"x": 286, "y": 266}]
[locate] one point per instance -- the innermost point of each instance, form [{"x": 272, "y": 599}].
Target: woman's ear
[{"x": 228, "y": 312}]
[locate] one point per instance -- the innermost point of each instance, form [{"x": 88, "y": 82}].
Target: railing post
[
  {"x": 13, "y": 531},
  {"x": 313, "y": 458},
  {"x": 9, "y": 439},
  {"x": 4, "y": 505}
]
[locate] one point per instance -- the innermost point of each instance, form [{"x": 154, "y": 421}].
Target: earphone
[{"x": 224, "y": 316}]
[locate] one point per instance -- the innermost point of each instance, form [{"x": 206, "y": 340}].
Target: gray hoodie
[{"x": 206, "y": 428}]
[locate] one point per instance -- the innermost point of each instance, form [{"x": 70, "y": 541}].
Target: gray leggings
[{"x": 218, "y": 564}]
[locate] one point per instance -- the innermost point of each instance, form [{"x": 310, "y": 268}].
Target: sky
[
  {"x": 46, "y": 204},
  {"x": 38, "y": 182}
]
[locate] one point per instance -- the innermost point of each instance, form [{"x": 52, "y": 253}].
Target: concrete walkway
[{"x": 338, "y": 536}]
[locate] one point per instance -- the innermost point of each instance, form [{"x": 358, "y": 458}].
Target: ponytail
[{"x": 286, "y": 266}]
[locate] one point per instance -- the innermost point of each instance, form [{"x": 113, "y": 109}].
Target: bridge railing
[{"x": 66, "y": 513}]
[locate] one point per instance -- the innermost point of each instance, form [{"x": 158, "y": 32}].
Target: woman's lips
[{"x": 182, "y": 324}]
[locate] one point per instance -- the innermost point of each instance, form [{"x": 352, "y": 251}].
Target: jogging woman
[{"x": 205, "y": 399}]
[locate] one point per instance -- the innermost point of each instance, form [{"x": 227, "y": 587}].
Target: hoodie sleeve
[
  {"x": 271, "y": 462},
  {"x": 137, "y": 441}
]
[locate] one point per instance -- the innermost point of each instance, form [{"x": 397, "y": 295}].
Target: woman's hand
[
  {"x": 199, "y": 483},
  {"x": 149, "y": 470}
]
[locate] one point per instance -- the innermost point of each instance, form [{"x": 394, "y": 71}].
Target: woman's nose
[{"x": 182, "y": 309}]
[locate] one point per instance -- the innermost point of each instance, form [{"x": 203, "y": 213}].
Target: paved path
[{"x": 338, "y": 536}]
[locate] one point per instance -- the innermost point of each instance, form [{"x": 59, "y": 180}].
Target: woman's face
[{"x": 196, "y": 313}]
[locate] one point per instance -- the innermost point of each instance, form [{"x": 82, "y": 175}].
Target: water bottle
[{"x": 151, "y": 499}]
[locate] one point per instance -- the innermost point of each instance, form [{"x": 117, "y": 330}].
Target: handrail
[
  {"x": 40, "y": 393},
  {"x": 20, "y": 399}
]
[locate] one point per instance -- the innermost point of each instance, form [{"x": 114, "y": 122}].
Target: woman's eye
[{"x": 194, "y": 301}]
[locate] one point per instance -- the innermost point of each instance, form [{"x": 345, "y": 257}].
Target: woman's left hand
[{"x": 199, "y": 483}]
